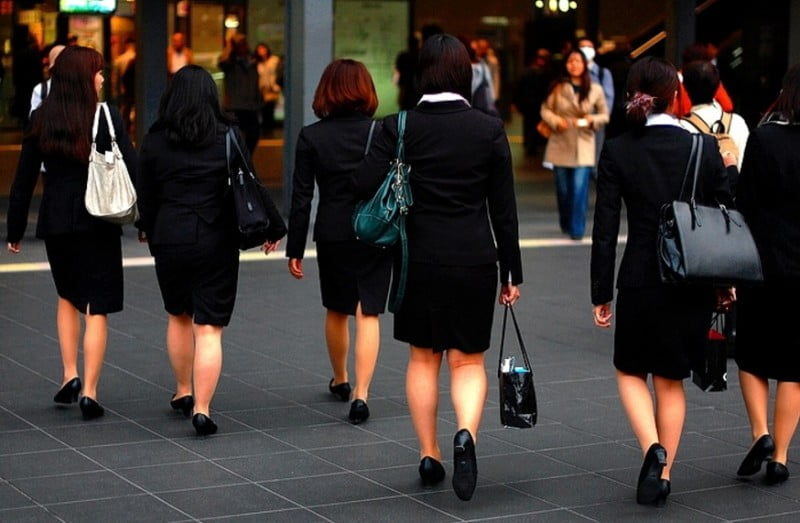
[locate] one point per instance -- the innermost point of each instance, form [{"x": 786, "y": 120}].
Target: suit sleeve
[
  {"x": 503, "y": 210},
  {"x": 146, "y": 190},
  {"x": 372, "y": 171},
  {"x": 25, "y": 179},
  {"x": 302, "y": 195},
  {"x": 124, "y": 143},
  {"x": 606, "y": 228}
]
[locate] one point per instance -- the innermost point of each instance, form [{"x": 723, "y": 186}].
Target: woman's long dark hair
[
  {"x": 586, "y": 80},
  {"x": 189, "y": 110},
  {"x": 786, "y": 108},
  {"x": 63, "y": 123}
]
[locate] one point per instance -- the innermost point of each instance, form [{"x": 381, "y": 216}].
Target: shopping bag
[
  {"x": 517, "y": 393},
  {"x": 710, "y": 367}
]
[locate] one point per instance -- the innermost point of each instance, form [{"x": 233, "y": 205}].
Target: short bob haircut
[
  {"x": 701, "y": 80},
  {"x": 345, "y": 88},
  {"x": 444, "y": 66}
]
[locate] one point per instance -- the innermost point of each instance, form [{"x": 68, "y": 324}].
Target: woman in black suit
[
  {"x": 188, "y": 219},
  {"x": 463, "y": 221},
  {"x": 354, "y": 277},
  {"x": 767, "y": 195},
  {"x": 84, "y": 252},
  {"x": 658, "y": 325}
]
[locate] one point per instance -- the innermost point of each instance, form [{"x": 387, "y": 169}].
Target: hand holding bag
[
  {"x": 257, "y": 219},
  {"x": 110, "y": 194},
  {"x": 517, "y": 394},
  {"x": 381, "y": 220},
  {"x": 705, "y": 244}
]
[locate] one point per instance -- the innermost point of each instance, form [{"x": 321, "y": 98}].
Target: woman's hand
[
  {"x": 14, "y": 248},
  {"x": 269, "y": 246},
  {"x": 562, "y": 124},
  {"x": 602, "y": 315},
  {"x": 726, "y": 298},
  {"x": 728, "y": 159},
  {"x": 296, "y": 268},
  {"x": 509, "y": 294}
]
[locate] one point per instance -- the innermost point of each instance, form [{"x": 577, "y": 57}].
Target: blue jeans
[{"x": 572, "y": 192}]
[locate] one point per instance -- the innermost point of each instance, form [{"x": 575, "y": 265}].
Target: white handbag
[{"x": 110, "y": 194}]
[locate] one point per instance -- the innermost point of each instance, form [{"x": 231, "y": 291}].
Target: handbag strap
[
  {"x": 369, "y": 137},
  {"x": 102, "y": 106},
  {"x": 524, "y": 352},
  {"x": 695, "y": 155},
  {"x": 401, "y": 129}
]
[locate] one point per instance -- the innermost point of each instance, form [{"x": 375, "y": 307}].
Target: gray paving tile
[
  {"x": 280, "y": 417},
  {"x": 324, "y": 490},
  {"x": 488, "y": 501},
  {"x": 27, "y": 441},
  {"x": 274, "y": 516},
  {"x": 265, "y": 467},
  {"x": 513, "y": 468},
  {"x": 84, "y": 486},
  {"x": 738, "y": 501},
  {"x": 11, "y": 497},
  {"x": 139, "y": 454},
  {"x": 107, "y": 430},
  {"x": 595, "y": 458},
  {"x": 400, "y": 509},
  {"x": 324, "y": 436},
  {"x": 224, "y": 445},
  {"x": 246, "y": 500},
  {"x": 630, "y": 512},
  {"x": 45, "y": 463},
  {"x": 180, "y": 476},
  {"x": 27, "y": 515},
  {"x": 141, "y": 508},
  {"x": 576, "y": 490},
  {"x": 370, "y": 456}
]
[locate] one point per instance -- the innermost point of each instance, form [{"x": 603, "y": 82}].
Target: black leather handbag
[
  {"x": 517, "y": 394},
  {"x": 705, "y": 244}
]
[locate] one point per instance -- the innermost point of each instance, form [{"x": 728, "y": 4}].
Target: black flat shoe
[
  {"x": 203, "y": 425},
  {"x": 90, "y": 408},
  {"x": 465, "y": 466},
  {"x": 184, "y": 404},
  {"x": 760, "y": 452},
  {"x": 431, "y": 472},
  {"x": 341, "y": 391},
  {"x": 69, "y": 392},
  {"x": 359, "y": 412},
  {"x": 776, "y": 473},
  {"x": 648, "y": 488}
]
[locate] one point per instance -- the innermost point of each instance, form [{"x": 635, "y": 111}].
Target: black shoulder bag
[
  {"x": 517, "y": 394},
  {"x": 704, "y": 244}
]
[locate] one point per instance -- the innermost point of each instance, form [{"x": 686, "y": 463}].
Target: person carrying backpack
[{"x": 701, "y": 80}]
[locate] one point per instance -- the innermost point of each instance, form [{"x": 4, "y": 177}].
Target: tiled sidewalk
[{"x": 285, "y": 451}]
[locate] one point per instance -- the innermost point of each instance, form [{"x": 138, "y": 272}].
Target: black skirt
[
  {"x": 660, "y": 328},
  {"x": 87, "y": 270},
  {"x": 200, "y": 279},
  {"x": 448, "y": 307},
  {"x": 767, "y": 344},
  {"x": 351, "y": 272}
]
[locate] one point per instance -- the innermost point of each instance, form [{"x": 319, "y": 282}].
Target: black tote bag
[{"x": 517, "y": 394}]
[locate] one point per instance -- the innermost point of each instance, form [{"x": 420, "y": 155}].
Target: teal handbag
[{"x": 380, "y": 221}]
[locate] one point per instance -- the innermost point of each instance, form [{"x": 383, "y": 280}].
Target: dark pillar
[
  {"x": 794, "y": 32},
  {"x": 309, "y": 48},
  {"x": 681, "y": 28},
  {"x": 151, "y": 61}
]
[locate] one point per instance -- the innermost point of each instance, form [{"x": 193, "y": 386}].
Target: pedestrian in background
[
  {"x": 84, "y": 252},
  {"x": 188, "y": 220},
  {"x": 462, "y": 223},
  {"x": 353, "y": 276},
  {"x": 659, "y": 326},
  {"x": 573, "y": 110},
  {"x": 242, "y": 92},
  {"x": 767, "y": 195}
]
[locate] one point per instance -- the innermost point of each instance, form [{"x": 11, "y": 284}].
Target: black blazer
[
  {"x": 328, "y": 151},
  {"x": 768, "y": 196},
  {"x": 461, "y": 182},
  {"x": 645, "y": 169},
  {"x": 62, "y": 209},
  {"x": 179, "y": 186}
]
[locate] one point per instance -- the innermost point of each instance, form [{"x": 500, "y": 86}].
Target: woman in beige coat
[{"x": 574, "y": 108}]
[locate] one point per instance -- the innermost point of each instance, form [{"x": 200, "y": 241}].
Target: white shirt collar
[
  {"x": 662, "y": 119},
  {"x": 443, "y": 97}
]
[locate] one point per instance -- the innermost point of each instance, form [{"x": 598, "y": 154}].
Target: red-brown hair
[
  {"x": 346, "y": 87},
  {"x": 63, "y": 125}
]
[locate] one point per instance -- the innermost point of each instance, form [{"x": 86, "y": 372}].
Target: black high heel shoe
[
  {"x": 664, "y": 490},
  {"x": 431, "y": 472},
  {"x": 359, "y": 412},
  {"x": 648, "y": 488},
  {"x": 776, "y": 473},
  {"x": 341, "y": 391},
  {"x": 90, "y": 408},
  {"x": 69, "y": 392},
  {"x": 203, "y": 425},
  {"x": 760, "y": 452},
  {"x": 465, "y": 465},
  {"x": 184, "y": 404}
]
